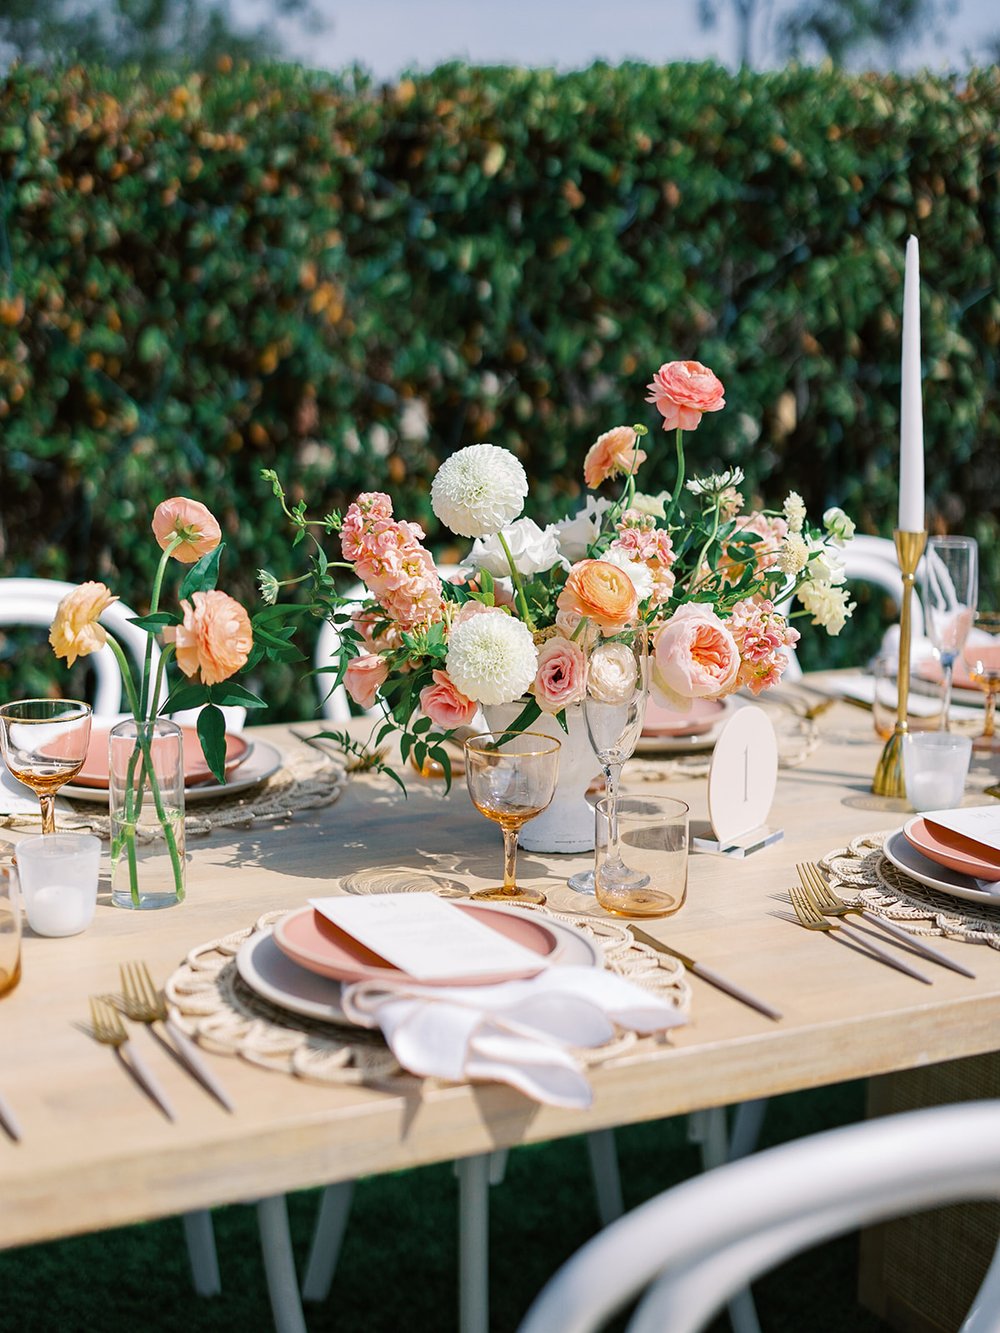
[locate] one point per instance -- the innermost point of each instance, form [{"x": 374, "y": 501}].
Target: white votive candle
[
  {"x": 59, "y": 873},
  {"x": 60, "y": 909}
]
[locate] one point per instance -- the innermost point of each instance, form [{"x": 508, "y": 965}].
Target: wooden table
[{"x": 97, "y": 1154}]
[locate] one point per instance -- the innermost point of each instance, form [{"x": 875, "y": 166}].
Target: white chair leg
[
  {"x": 498, "y": 1166},
  {"x": 747, "y": 1123},
  {"x": 982, "y": 1314},
  {"x": 473, "y": 1244},
  {"x": 279, "y": 1265},
  {"x": 708, "y": 1130},
  {"x": 328, "y": 1236},
  {"x": 202, "y": 1255},
  {"x": 604, "y": 1169}
]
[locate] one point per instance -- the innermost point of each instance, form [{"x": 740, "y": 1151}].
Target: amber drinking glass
[
  {"x": 511, "y": 778},
  {"x": 10, "y": 929},
  {"x": 982, "y": 658},
  {"x": 44, "y": 743}
]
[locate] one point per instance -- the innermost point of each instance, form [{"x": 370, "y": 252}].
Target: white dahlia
[
  {"x": 492, "y": 658},
  {"x": 479, "y": 490}
]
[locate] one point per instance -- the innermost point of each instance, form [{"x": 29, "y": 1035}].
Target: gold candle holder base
[{"x": 888, "y": 779}]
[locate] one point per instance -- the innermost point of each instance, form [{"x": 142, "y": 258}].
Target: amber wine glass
[
  {"x": 511, "y": 778},
  {"x": 44, "y": 744},
  {"x": 982, "y": 660}
]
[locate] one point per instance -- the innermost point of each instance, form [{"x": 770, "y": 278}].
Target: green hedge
[{"x": 269, "y": 267}]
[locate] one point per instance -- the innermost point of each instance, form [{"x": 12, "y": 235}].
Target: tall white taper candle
[{"x": 911, "y": 417}]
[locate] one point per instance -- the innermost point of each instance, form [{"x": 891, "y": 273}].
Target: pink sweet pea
[
  {"x": 444, "y": 704},
  {"x": 561, "y": 679},
  {"x": 364, "y": 676},
  {"x": 683, "y": 391},
  {"x": 694, "y": 657}
]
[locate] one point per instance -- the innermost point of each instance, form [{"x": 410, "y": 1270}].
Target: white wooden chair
[{"x": 696, "y": 1245}]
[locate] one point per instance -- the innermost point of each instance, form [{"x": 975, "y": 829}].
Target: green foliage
[{"x": 268, "y": 268}]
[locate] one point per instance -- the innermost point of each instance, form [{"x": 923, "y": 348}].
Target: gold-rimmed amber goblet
[
  {"x": 44, "y": 744},
  {"x": 982, "y": 660},
  {"x": 511, "y": 778}
]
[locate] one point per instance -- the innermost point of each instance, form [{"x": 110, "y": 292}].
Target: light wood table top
[{"x": 96, "y": 1153}]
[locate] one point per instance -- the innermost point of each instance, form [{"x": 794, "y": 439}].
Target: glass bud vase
[{"x": 146, "y": 789}]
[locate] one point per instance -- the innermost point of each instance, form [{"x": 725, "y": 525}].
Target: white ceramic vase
[{"x": 567, "y": 825}]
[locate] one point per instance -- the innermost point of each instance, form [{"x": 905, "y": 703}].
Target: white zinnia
[
  {"x": 479, "y": 490},
  {"x": 640, "y": 574},
  {"x": 534, "y": 550},
  {"x": 492, "y": 658},
  {"x": 794, "y": 510},
  {"x": 827, "y": 605}
]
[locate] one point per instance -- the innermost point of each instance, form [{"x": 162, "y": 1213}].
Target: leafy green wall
[{"x": 269, "y": 267}]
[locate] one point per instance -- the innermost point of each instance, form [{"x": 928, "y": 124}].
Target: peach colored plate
[
  {"x": 929, "y": 669},
  {"x": 952, "y": 849},
  {"x": 315, "y": 943},
  {"x": 661, "y": 721},
  {"x": 94, "y": 772}
]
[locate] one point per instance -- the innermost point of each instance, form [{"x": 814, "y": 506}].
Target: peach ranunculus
[
  {"x": 561, "y": 678},
  {"x": 180, "y": 517},
  {"x": 602, "y": 592},
  {"x": 364, "y": 676},
  {"x": 694, "y": 657},
  {"x": 75, "y": 631},
  {"x": 683, "y": 391},
  {"x": 445, "y": 704},
  {"x": 214, "y": 638},
  {"x": 612, "y": 453}
]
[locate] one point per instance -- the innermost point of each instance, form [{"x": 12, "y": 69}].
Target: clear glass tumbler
[
  {"x": 146, "y": 788},
  {"x": 641, "y": 856}
]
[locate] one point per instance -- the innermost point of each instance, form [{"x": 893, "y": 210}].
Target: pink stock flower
[
  {"x": 683, "y": 391},
  {"x": 215, "y": 637},
  {"x": 694, "y": 657},
  {"x": 561, "y": 678},
  {"x": 390, "y": 561},
  {"x": 364, "y": 677},
  {"x": 761, "y": 634},
  {"x": 180, "y": 517},
  {"x": 445, "y": 704},
  {"x": 612, "y": 453}
]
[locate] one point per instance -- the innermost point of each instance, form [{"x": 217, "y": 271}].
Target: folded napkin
[
  {"x": 519, "y": 1032},
  {"x": 17, "y": 799}
]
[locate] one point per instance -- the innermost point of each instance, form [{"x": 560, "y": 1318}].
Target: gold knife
[{"x": 708, "y": 974}]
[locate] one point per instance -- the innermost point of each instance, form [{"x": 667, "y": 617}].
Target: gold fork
[
  {"x": 831, "y": 904},
  {"x": 106, "y": 1026},
  {"x": 143, "y": 1002},
  {"x": 812, "y": 918}
]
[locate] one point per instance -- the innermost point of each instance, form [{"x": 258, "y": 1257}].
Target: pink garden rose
[
  {"x": 561, "y": 679},
  {"x": 445, "y": 704},
  {"x": 364, "y": 676},
  {"x": 694, "y": 657},
  {"x": 189, "y": 519},
  {"x": 683, "y": 391}
]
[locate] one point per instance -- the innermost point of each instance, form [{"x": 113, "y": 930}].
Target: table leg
[
  {"x": 328, "y": 1236},
  {"x": 473, "y": 1244},
  {"x": 279, "y": 1265}
]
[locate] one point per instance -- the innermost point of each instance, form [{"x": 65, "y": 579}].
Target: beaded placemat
[
  {"x": 212, "y": 1003},
  {"x": 305, "y": 781},
  {"x": 863, "y": 876}
]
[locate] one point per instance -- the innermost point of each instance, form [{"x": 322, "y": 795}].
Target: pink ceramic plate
[
  {"x": 952, "y": 849},
  {"x": 94, "y": 772},
  {"x": 662, "y": 721},
  {"x": 930, "y": 669},
  {"x": 315, "y": 943}
]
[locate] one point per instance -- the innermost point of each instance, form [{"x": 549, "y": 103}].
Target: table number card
[{"x": 741, "y": 785}]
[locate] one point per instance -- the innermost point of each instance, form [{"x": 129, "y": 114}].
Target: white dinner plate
[
  {"x": 904, "y": 856},
  {"x": 262, "y": 762},
  {"x": 266, "y": 970}
]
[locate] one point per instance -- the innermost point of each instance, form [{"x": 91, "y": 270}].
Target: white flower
[
  {"x": 479, "y": 490},
  {"x": 838, "y": 525},
  {"x": 576, "y": 534},
  {"x": 492, "y": 658},
  {"x": 533, "y": 549},
  {"x": 794, "y": 510},
  {"x": 716, "y": 483},
  {"x": 825, "y": 565},
  {"x": 639, "y": 573},
  {"x": 793, "y": 554},
  {"x": 613, "y": 673},
  {"x": 654, "y": 506},
  {"x": 827, "y": 605}
]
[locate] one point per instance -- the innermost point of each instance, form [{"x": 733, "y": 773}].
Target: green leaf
[
  {"x": 151, "y": 624},
  {"x": 186, "y": 696},
  {"x": 229, "y": 693},
  {"x": 203, "y": 576},
  {"x": 561, "y": 719},
  {"x": 212, "y": 734}
]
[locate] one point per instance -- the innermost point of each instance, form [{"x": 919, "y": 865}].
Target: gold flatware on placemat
[
  {"x": 107, "y": 1027},
  {"x": 830, "y": 904},
  {"x": 708, "y": 974},
  {"x": 144, "y": 1003},
  {"x": 812, "y": 918}
]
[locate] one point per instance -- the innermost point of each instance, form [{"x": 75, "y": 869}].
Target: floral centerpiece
[
  {"x": 705, "y": 577},
  {"x": 211, "y": 637}
]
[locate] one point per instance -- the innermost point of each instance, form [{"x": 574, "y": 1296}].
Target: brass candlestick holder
[{"x": 888, "y": 779}]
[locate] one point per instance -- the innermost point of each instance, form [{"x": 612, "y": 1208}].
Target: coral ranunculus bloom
[
  {"x": 180, "y": 517},
  {"x": 75, "y": 631},
  {"x": 602, "y": 592},
  {"x": 683, "y": 391},
  {"x": 612, "y": 453},
  {"x": 215, "y": 637}
]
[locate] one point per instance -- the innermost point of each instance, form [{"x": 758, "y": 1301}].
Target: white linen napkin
[
  {"x": 17, "y": 799},
  {"x": 519, "y": 1032}
]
